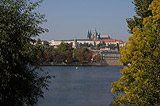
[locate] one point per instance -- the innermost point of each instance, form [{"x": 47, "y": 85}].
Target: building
[
  {"x": 96, "y": 35},
  {"x": 44, "y": 42},
  {"x": 104, "y": 37},
  {"x": 109, "y": 57},
  {"x": 74, "y": 42},
  {"x": 93, "y": 39},
  {"x": 110, "y": 41},
  {"x": 58, "y": 42},
  {"x": 34, "y": 42}
]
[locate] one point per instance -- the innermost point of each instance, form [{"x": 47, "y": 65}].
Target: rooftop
[{"x": 110, "y": 40}]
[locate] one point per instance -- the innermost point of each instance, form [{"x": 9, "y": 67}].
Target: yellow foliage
[
  {"x": 142, "y": 52},
  {"x": 112, "y": 90}
]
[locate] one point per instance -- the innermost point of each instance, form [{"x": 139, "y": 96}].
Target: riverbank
[{"x": 88, "y": 64}]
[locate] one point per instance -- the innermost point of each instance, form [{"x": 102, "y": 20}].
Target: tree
[
  {"x": 101, "y": 45},
  {"x": 112, "y": 46},
  {"x": 97, "y": 58},
  {"x": 75, "y": 55},
  {"x": 140, "y": 83},
  {"x": 84, "y": 55},
  {"x": 39, "y": 41},
  {"x": 46, "y": 56},
  {"x": 69, "y": 56},
  {"x": 19, "y": 84},
  {"x": 39, "y": 56},
  {"x": 141, "y": 9},
  {"x": 65, "y": 47},
  {"x": 58, "y": 56}
]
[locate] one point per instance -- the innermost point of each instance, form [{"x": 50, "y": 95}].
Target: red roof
[{"x": 110, "y": 40}]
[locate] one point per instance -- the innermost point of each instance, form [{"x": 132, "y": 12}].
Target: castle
[
  {"x": 92, "y": 39},
  {"x": 96, "y": 35}
]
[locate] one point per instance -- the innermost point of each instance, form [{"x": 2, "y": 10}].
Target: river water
[{"x": 87, "y": 86}]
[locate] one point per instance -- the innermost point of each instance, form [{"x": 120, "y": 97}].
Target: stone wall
[{"x": 109, "y": 57}]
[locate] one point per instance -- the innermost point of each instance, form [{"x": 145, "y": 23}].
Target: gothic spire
[
  {"x": 88, "y": 35},
  {"x": 95, "y": 31}
]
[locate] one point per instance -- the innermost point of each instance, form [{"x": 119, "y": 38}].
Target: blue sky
[{"x": 69, "y": 19}]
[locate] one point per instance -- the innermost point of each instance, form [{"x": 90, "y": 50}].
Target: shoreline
[{"x": 84, "y": 65}]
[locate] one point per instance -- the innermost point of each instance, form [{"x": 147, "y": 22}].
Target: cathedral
[
  {"x": 93, "y": 39},
  {"x": 96, "y": 35}
]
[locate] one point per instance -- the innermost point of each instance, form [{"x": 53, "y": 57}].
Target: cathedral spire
[
  {"x": 95, "y": 35},
  {"x": 90, "y": 32},
  {"x": 89, "y": 35},
  {"x": 95, "y": 31}
]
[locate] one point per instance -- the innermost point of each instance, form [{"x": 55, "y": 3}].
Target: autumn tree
[
  {"x": 75, "y": 55},
  {"x": 69, "y": 56},
  {"x": 58, "y": 56},
  {"x": 20, "y": 85},
  {"x": 46, "y": 56},
  {"x": 39, "y": 56},
  {"x": 140, "y": 83},
  {"x": 84, "y": 55},
  {"x": 97, "y": 58},
  {"x": 64, "y": 53},
  {"x": 141, "y": 9},
  {"x": 39, "y": 52}
]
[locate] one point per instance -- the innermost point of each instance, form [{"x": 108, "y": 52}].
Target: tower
[
  {"x": 95, "y": 34},
  {"x": 89, "y": 34},
  {"x": 75, "y": 43}
]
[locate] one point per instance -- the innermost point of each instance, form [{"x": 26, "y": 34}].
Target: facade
[
  {"x": 44, "y": 42},
  {"x": 104, "y": 37},
  {"x": 74, "y": 42},
  {"x": 110, "y": 41},
  {"x": 34, "y": 42},
  {"x": 96, "y": 35},
  {"x": 94, "y": 39},
  {"x": 109, "y": 57},
  {"x": 55, "y": 42}
]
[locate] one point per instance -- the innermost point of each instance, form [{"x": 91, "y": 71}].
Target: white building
[
  {"x": 74, "y": 43},
  {"x": 104, "y": 37},
  {"x": 93, "y": 39}
]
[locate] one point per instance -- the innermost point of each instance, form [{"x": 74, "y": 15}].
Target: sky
[{"x": 69, "y": 19}]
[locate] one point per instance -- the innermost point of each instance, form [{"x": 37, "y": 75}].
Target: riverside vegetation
[
  {"x": 20, "y": 84},
  {"x": 64, "y": 54},
  {"x": 140, "y": 83}
]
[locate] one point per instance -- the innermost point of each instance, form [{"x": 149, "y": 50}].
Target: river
[{"x": 87, "y": 86}]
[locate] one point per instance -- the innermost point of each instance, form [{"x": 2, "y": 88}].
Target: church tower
[
  {"x": 75, "y": 43},
  {"x": 89, "y": 34},
  {"x": 95, "y": 34}
]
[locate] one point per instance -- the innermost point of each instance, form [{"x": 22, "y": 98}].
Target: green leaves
[
  {"x": 140, "y": 81},
  {"x": 19, "y": 84},
  {"x": 141, "y": 9}
]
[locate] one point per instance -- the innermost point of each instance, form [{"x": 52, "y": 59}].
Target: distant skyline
[{"x": 69, "y": 19}]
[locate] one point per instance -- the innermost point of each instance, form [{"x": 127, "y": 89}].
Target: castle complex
[
  {"x": 102, "y": 45},
  {"x": 96, "y": 35},
  {"x": 93, "y": 39}
]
